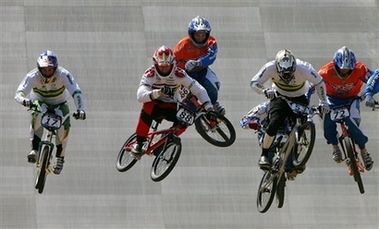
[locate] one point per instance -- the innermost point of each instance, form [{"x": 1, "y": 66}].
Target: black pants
[{"x": 280, "y": 110}]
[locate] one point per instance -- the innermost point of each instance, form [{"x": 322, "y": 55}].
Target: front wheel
[
  {"x": 219, "y": 133},
  {"x": 266, "y": 191},
  {"x": 42, "y": 165},
  {"x": 304, "y": 147},
  {"x": 351, "y": 154},
  {"x": 165, "y": 162},
  {"x": 125, "y": 158}
]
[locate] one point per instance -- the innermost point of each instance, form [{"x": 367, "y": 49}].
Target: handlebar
[{"x": 35, "y": 108}]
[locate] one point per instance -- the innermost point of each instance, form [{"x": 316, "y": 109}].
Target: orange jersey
[
  {"x": 341, "y": 89},
  {"x": 185, "y": 51}
]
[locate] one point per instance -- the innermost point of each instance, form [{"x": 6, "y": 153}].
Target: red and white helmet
[{"x": 163, "y": 57}]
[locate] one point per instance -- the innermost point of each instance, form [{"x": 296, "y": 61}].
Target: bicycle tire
[
  {"x": 41, "y": 172},
  {"x": 303, "y": 149},
  {"x": 280, "y": 191},
  {"x": 266, "y": 191},
  {"x": 221, "y": 134},
  {"x": 350, "y": 153},
  {"x": 125, "y": 158},
  {"x": 165, "y": 162}
]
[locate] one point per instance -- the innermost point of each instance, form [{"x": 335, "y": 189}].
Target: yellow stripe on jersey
[
  {"x": 51, "y": 93},
  {"x": 289, "y": 88}
]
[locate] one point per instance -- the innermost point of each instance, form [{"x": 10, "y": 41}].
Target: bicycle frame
[
  {"x": 345, "y": 134},
  {"x": 340, "y": 114}
]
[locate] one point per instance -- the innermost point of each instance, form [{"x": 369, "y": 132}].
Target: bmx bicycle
[
  {"x": 51, "y": 122},
  {"x": 292, "y": 148},
  {"x": 353, "y": 159}
]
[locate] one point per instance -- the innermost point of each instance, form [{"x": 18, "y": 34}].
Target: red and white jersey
[
  {"x": 52, "y": 91},
  {"x": 152, "y": 80}
]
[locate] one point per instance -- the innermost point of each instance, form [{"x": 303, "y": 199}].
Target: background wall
[{"x": 107, "y": 45}]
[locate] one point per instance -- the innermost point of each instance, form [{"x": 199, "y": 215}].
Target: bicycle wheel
[
  {"x": 266, "y": 191},
  {"x": 303, "y": 149},
  {"x": 165, "y": 162},
  {"x": 43, "y": 163},
  {"x": 280, "y": 191},
  {"x": 351, "y": 154},
  {"x": 220, "y": 133},
  {"x": 125, "y": 158}
]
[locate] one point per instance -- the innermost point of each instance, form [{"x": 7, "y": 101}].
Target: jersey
[
  {"x": 152, "y": 80},
  {"x": 348, "y": 88},
  {"x": 52, "y": 91},
  {"x": 185, "y": 51},
  {"x": 298, "y": 86}
]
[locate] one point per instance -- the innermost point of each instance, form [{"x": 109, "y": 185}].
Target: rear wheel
[
  {"x": 351, "y": 154},
  {"x": 219, "y": 133},
  {"x": 42, "y": 165},
  {"x": 165, "y": 162},
  {"x": 304, "y": 147},
  {"x": 266, "y": 191},
  {"x": 125, "y": 158}
]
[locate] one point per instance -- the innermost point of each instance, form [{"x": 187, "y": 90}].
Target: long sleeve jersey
[
  {"x": 152, "y": 80},
  {"x": 348, "y": 88},
  {"x": 185, "y": 51},
  {"x": 299, "y": 85},
  {"x": 52, "y": 91}
]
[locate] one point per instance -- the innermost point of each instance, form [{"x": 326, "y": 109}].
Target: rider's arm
[
  {"x": 24, "y": 89},
  {"x": 372, "y": 86},
  {"x": 263, "y": 75},
  {"x": 196, "y": 89},
  {"x": 73, "y": 88},
  {"x": 145, "y": 92},
  {"x": 210, "y": 56}
]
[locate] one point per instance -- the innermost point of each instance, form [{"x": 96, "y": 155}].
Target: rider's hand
[
  {"x": 27, "y": 103},
  {"x": 80, "y": 114},
  {"x": 167, "y": 90},
  {"x": 192, "y": 64},
  {"x": 369, "y": 101},
  {"x": 43, "y": 108},
  {"x": 324, "y": 107},
  {"x": 270, "y": 93}
]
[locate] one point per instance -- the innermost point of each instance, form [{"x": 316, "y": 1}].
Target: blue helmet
[
  {"x": 344, "y": 58},
  {"x": 47, "y": 59},
  {"x": 199, "y": 24}
]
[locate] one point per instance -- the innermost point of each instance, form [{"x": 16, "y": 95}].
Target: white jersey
[
  {"x": 152, "y": 80},
  {"x": 299, "y": 85},
  {"x": 52, "y": 91}
]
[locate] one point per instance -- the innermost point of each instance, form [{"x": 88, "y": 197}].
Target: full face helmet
[
  {"x": 285, "y": 63},
  {"x": 47, "y": 63},
  {"x": 344, "y": 62},
  {"x": 164, "y": 60},
  {"x": 199, "y": 25}
]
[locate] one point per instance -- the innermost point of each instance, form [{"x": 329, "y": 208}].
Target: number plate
[
  {"x": 185, "y": 116},
  {"x": 299, "y": 109},
  {"x": 339, "y": 113},
  {"x": 51, "y": 121}
]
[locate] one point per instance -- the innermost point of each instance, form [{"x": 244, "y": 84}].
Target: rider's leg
[
  {"x": 331, "y": 136},
  {"x": 357, "y": 134},
  {"x": 62, "y": 137},
  {"x": 212, "y": 84}
]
